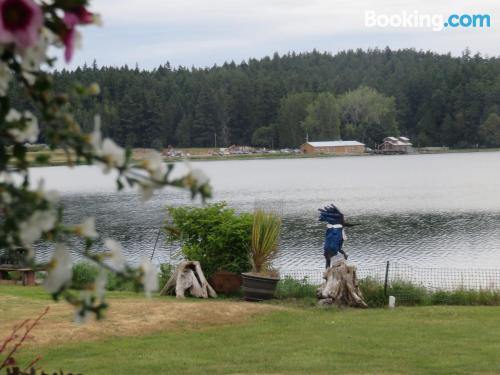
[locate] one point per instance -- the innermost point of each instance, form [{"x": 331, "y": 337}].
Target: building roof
[
  {"x": 335, "y": 143},
  {"x": 401, "y": 141}
]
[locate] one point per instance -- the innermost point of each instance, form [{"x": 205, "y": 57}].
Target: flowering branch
[{"x": 27, "y": 29}]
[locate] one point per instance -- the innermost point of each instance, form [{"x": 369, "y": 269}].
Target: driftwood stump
[
  {"x": 340, "y": 287},
  {"x": 188, "y": 276}
]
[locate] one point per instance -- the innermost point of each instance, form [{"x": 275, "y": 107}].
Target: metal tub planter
[
  {"x": 225, "y": 282},
  {"x": 257, "y": 287}
]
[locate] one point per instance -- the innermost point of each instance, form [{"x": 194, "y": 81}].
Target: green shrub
[
  {"x": 291, "y": 288},
  {"x": 214, "y": 235},
  {"x": 84, "y": 274},
  {"x": 117, "y": 283},
  {"x": 164, "y": 274}
]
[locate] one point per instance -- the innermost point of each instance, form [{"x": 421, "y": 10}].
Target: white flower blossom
[
  {"x": 96, "y": 135},
  {"x": 82, "y": 315},
  {"x": 8, "y": 177},
  {"x": 97, "y": 19},
  {"x": 113, "y": 155},
  {"x": 100, "y": 284},
  {"x": 154, "y": 164},
  {"x": 87, "y": 229},
  {"x": 146, "y": 189},
  {"x": 13, "y": 115},
  {"x": 34, "y": 56},
  {"x": 94, "y": 89},
  {"x": 157, "y": 169},
  {"x": 52, "y": 196},
  {"x": 32, "y": 229},
  {"x": 5, "y": 77},
  {"x": 60, "y": 269},
  {"x": 149, "y": 277},
  {"x": 6, "y": 198},
  {"x": 116, "y": 258},
  {"x": 30, "y": 130},
  {"x": 29, "y": 77},
  {"x": 200, "y": 176}
]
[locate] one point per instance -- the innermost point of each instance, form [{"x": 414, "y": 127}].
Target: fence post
[{"x": 386, "y": 280}]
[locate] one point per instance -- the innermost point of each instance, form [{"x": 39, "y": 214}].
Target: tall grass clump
[
  {"x": 406, "y": 293},
  {"x": 291, "y": 288},
  {"x": 373, "y": 292},
  {"x": 466, "y": 297},
  {"x": 409, "y": 294},
  {"x": 266, "y": 231}
]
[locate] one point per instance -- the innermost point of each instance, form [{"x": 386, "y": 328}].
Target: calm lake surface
[{"x": 427, "y": 210}]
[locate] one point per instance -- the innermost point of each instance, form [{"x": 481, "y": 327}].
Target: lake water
[{"x": 429, "y": 210}]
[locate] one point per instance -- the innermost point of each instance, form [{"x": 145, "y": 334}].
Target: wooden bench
[{"x": 27, "y": 274}]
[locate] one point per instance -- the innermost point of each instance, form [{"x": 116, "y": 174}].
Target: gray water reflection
[{"x": 430, "y": 210}]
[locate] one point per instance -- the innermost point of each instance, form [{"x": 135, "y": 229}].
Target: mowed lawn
[{"x": 164, "y": 336}]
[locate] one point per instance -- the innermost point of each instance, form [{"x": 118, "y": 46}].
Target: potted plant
[{"x": 260, "y": 284}]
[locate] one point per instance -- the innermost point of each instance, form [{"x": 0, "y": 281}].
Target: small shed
[
  {"x": 396, "y": 145},
  {"x": 333, "y": 147}
]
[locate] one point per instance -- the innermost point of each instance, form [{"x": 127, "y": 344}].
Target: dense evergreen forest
[{"x": 436, "y": 100}]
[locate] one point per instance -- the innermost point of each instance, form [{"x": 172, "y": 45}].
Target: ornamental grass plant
[{"x": 266, "y": 231}]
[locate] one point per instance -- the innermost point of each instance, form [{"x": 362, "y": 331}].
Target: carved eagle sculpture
[{"x": 332, "y": 215}]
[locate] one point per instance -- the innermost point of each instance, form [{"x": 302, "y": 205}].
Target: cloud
[{"x": 201, "y": 32}]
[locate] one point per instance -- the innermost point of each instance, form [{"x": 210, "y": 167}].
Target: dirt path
[{"x": 126, "y": 317}]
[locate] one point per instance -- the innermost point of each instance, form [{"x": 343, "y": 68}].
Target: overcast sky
[{"x": 207, "y": 32}]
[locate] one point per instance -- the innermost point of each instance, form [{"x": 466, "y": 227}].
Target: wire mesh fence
[
  {"x": 427, "y": 277},
  {"x": 419, "y": 285}
]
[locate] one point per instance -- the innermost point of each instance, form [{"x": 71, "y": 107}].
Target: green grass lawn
[
  {"x": 420, "y": 340},
  {"x": 292, "y": 340}
]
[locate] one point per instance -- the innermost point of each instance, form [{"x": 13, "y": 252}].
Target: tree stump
[
  {"x": 340, "y": 287},
  {"x": 188, "y": 276}
]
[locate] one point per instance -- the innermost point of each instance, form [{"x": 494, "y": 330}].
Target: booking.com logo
[{"x": 436, "y": 22}]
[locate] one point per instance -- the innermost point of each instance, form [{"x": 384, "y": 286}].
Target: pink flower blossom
[
  {"x": 84, "y": 16},
  {"x": 68, "y": 39},
  {"x": 77, "y": 16},
  {"x": 20, "y": 22}
]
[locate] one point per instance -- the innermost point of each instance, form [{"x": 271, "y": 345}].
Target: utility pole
[{"x": 215, "y": 140}]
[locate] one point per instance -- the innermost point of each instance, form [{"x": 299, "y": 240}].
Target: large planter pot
[
  {"x": 225, "y": 282},
  {"x": 258, "y": 288}
]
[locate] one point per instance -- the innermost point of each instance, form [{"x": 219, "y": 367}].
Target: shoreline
[{"x": 58, "y": 162}]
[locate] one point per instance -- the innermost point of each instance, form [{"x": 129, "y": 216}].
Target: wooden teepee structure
[{"x": 188, "y": 277}]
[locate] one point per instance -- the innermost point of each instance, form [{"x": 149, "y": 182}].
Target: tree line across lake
[{"x": 436, "y": 100}]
